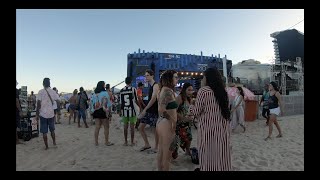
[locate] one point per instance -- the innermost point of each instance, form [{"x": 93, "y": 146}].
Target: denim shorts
[
  {"x": 46, "y": 123},
  {"x": 82, "y": 113}
]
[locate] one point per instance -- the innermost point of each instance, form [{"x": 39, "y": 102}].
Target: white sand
[{"x": 76, "y": 150}]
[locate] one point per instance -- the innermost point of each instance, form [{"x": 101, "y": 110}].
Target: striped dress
[{"x": 213, "y": 133}]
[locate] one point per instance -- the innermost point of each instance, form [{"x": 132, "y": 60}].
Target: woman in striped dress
[{"x": 213, "y": 115}]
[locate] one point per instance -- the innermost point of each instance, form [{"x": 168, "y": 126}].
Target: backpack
[{"x": 194, "y": 155}]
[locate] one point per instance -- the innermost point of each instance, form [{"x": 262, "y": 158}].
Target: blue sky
[{"x": 81, "y": 47}]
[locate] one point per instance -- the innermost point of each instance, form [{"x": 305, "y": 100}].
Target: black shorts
[{"x": 99, "y": 114}]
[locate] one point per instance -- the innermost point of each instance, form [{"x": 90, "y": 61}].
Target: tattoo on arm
[{"x": 166, "y": 97}]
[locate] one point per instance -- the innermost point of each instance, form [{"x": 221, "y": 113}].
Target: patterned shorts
[{"x": 150, "y": 119}]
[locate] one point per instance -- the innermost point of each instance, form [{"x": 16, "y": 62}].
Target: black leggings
[{"x": 266, "y": 113}]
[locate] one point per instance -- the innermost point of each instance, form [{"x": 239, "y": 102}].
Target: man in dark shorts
[
  {"x": 81, "y": 101},
  {"x": 150, "y": 112},
  {"x": 45, "y": 111}
]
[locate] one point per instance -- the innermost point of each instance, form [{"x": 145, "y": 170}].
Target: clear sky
[{"x": 81, "y": 47}]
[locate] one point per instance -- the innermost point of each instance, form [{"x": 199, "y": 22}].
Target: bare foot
[
  {"x": 279, "y": 136},
  {"x": 132, "y": 144}
]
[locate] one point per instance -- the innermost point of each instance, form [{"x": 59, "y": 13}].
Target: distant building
[
  {"x": 252, "y": 74},
  {"x": 288, "y": 45},
  {"x": 255, "y": 75}
]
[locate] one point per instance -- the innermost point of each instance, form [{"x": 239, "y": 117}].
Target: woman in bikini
[
  {"x": 166, "y": 124},
  {"x": 275, "y": 107}
]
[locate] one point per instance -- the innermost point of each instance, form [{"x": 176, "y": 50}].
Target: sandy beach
[{"x": 76, "y": 151}]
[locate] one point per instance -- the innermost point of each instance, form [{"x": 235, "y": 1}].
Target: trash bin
[{"x": 251, "y": 110}]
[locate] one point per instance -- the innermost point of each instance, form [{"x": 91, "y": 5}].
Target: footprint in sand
[
  {"x": 263, "y": 163},
  {"x": 73, "y": 162}
]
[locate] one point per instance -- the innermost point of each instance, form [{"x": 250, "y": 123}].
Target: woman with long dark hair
[
  {"x": 237, "y": 110},
  {"x": 213, "y": 115},
  {"x": 100, "y": 111},
  {"x": 183, "y": 129},
  {"x": 166, "y": 124},
  {"x": 275, "y": 107}
]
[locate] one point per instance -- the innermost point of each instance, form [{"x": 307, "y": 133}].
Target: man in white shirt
[{"x": 45, "y": 110}]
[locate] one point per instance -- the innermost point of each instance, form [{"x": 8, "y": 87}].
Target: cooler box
[{"x": 251, "y": 110}]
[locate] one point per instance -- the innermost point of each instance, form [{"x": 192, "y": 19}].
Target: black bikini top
[{"x": 172, "y": 105}]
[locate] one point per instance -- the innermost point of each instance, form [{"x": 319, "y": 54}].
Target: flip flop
[
  {"x": 144, "y": 148},
  {"x": 109, "y": 144},
  {"x": 268, "y": 138},
  {"x": 152, "y": 151},
  {"x": 279, "y": 136}
]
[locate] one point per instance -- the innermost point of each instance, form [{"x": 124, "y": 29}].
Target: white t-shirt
[{"x": 47, "y": 109}]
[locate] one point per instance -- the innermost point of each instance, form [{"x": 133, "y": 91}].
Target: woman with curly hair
[{"x": 166, "y": 124}]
